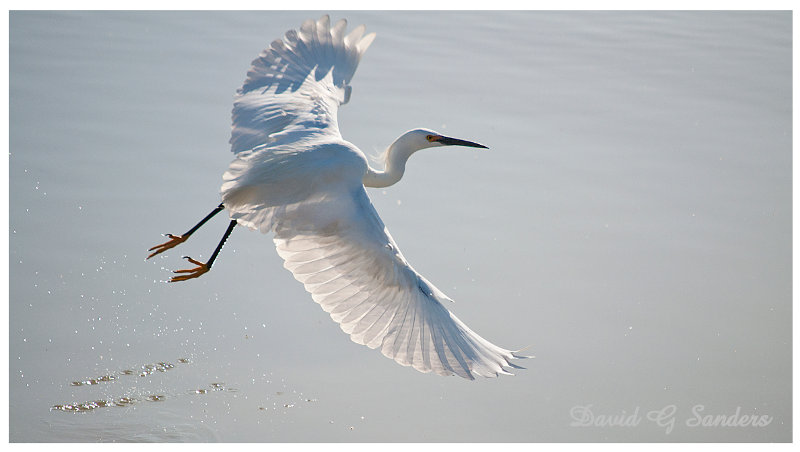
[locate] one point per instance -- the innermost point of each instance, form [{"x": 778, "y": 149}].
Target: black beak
[{"x": 456, "y": 142}]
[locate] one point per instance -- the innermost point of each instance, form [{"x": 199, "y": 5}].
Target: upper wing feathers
[{"x": 297, "y": 84}]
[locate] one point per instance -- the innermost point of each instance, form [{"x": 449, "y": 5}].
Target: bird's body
[{"x": 295, "y": 176}]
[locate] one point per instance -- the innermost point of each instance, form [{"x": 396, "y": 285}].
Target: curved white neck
[{"x": 395, "y": 166}]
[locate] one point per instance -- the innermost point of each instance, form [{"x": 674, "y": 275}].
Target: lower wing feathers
[{"x": 359, "y": 277}]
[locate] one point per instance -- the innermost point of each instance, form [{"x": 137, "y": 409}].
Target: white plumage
[{"x": 296, "y": 176}]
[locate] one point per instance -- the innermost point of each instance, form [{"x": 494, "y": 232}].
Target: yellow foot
[
  {"x": 174, "y": 240},
  {"x": 190, "y": 273}
]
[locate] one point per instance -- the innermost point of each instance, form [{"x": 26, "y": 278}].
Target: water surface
[{"x": 631, "y": 222}]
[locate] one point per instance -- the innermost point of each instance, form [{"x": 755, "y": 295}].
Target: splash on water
[{"x": 143, "y": 371}]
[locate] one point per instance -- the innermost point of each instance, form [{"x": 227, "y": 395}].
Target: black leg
[
  {"x": 221, "y": 242},
  {"x": 216, "y": 210},
  {"x": 175, "y": 240}
]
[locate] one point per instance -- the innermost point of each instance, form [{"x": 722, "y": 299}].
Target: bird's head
[
  {"x": 397, "y": 154},
  {"x": 417, "y": 139}
]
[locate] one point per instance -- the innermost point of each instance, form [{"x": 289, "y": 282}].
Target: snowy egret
[{"x": 294, "y": 175}]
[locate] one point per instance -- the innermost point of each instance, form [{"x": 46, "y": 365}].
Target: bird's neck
[{"x": 394, "y": 167}]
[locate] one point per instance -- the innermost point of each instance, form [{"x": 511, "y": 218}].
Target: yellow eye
[{"x": 430, "y": 138}]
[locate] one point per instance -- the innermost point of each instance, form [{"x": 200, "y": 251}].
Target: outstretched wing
[
  {"x": 294, "y": 175},
  {"x": 354, "y": 270},
  {"x": 296, "y": 85}
]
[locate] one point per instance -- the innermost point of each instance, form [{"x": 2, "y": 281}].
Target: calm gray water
[{"x": 631, "y": 222}]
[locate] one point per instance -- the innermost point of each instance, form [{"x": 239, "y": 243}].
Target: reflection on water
[{"x": 122, "y": 425}]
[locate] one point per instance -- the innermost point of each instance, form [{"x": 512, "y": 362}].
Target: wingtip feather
[
  {"x": 365, "y": 42},
  {"x": 518, "y": 353}
]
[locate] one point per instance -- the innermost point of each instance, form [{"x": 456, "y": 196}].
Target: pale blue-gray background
[{"x": 631, "y": 222}]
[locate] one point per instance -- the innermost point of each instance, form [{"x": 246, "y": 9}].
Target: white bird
[{"x": 294, "y": 175}]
